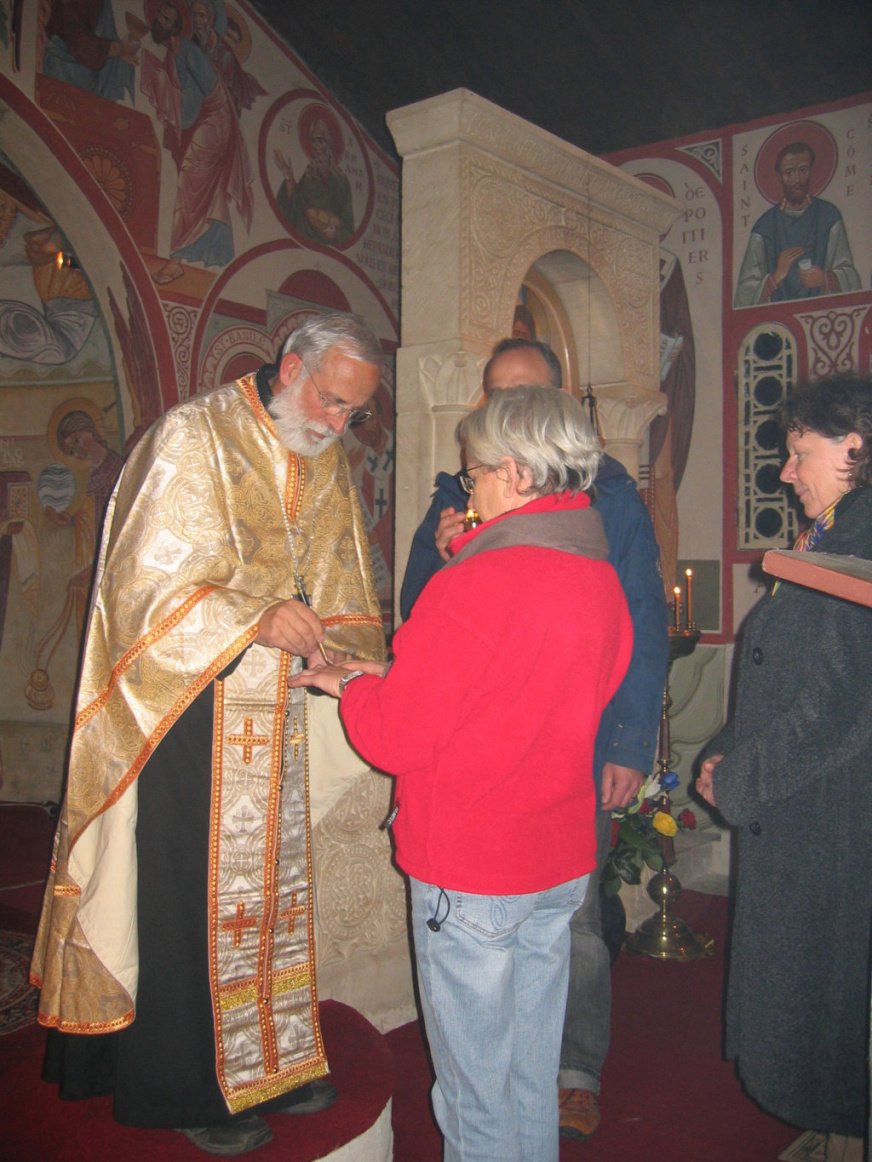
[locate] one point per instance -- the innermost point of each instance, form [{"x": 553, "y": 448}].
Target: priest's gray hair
[
  {"x": 319, "y": 334},
  {"x": 543, "y": 429}
]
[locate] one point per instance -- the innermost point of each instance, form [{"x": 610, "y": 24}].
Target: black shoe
[
  {"x": 310, "y": 1098},
  {"x": 231, "y": 1138}
]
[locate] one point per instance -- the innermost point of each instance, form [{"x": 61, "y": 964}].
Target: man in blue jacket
[{"x": 627, "y": 737}]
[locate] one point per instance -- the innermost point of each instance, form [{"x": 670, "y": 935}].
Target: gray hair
[
  {"x": 543, "y": 429},
  {"x": 321, "y": 333}
]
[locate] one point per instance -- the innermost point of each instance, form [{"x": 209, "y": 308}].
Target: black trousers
[{"x": 161, "y": 1069}]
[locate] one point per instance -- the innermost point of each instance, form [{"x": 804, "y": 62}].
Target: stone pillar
[
  {"x": 624, "y": 416},
  {"x": 488, "y": 198}
]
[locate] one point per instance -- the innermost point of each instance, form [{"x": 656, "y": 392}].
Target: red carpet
[{"x": 667, "y": 1095}]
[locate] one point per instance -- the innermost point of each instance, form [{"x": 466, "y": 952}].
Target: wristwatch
[{"x": 346, "y": 678}]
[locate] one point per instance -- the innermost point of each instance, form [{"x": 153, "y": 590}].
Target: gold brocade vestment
[{"x": 196, "y": 549}]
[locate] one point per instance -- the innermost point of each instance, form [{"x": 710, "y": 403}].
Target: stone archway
[{"x": 488, "y": 197}]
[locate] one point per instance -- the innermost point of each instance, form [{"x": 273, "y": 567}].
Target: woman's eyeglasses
[{"x": 466, "y": 481}]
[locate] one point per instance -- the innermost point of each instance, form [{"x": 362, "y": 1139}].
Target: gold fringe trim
[
  {"x": 246, "y": 1096},
  {"x": 243, "y": 994}
]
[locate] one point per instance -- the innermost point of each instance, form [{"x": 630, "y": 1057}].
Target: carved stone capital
[
  {"x": 624, "y": 413},
  {"x": 450, "y": 382}
]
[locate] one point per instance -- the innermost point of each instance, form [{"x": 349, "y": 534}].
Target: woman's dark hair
[{"x": 834, "y": 407}]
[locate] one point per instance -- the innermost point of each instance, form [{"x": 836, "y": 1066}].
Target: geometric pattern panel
[{"x": 766, "y": 376}]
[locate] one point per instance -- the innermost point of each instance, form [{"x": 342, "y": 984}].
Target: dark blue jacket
[{"x": 628, "y": 729}]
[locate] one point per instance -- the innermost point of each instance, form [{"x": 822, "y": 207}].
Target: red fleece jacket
[{"x": 488, "y": 714}]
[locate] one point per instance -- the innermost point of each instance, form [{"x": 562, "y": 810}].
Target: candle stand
[{"x": 664, "y": 935}]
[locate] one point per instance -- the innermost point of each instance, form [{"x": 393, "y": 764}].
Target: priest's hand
[
  {"x": 620, "y": 786},
  {"x": 291, "y": 626}
]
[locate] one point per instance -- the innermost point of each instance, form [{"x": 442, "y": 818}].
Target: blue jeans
[
  {"x": 589, "y": 1000},
  {"x": 493, "y": 981}
]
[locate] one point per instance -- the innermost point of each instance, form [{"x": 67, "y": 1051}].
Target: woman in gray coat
[{"x": 792, "y": 773}]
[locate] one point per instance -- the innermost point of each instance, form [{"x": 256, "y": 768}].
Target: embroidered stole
[{"x": 261, "y": 926}]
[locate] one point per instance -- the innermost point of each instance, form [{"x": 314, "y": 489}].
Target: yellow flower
[{"x": 664, "y": 823}]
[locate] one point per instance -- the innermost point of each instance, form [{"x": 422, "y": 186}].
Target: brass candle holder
[{"x": 664, "y": 935}]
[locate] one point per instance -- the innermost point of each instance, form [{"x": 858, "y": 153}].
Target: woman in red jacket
[{"x": 487, "y": 717}]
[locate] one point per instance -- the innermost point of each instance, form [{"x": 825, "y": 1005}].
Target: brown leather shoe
[
  {"x": 232, "y": 1138},
  {"x": 310, "y": 1098},
  {"x": 579, "y": 1113}
]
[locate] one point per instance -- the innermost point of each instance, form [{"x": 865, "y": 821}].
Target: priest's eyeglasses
[
  {"x": 465, "y": 480},
  {"x": 333, "y": 408}
]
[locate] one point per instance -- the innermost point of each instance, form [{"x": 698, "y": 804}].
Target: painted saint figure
[
  {"x": 669, "y": 435},
  {"x": 83, "y": 48},
  {"x": 79, "y": 437},
  {"x": 799, "y": 248},
  {"x": 319, "y": 205},
  {"x": 220, "y": 38},
  {"x": 201, "y": 131}
]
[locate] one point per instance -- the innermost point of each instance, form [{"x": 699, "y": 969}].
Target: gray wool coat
[{"x": 796, "y": 784}]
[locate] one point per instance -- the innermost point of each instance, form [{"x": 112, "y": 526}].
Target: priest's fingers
[{"x": 290, "y": 626}]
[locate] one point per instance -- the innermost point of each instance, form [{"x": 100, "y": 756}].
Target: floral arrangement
[{"x": 643, "y": 833}]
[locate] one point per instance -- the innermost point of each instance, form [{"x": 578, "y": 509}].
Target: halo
[
  {"x": 813, "y": 134},
  {"x": 79, "y": 404},
  {"x": 241, "y": 51},
  {"x": 657, "y": 182},
  {"x": 317, "y": 111}
]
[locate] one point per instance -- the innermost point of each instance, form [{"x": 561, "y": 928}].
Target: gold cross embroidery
[
  {"x": 290, "y": 913},
  {"x": 248, "y": 740},
  {"x": 296, "y": 739},
  {"x": 238, "y": 926}
]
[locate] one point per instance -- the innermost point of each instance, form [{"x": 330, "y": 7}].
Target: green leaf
[
  {"x": 610, "y": 882},
  {"x": 628, "y": 865},
  {"x": 654, "y": 859},
  {"x": 639, "y": 840}
]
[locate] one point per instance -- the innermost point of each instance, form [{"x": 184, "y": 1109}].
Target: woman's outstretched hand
[{"x": 326, "y": 678}]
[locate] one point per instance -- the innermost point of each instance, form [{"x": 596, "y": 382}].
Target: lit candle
[
  {"x": 677, "y": 607},
  {"x": 688, "y": 602}
]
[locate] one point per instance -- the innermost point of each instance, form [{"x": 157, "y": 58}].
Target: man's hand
[
  {"x": 704, "y": 784},
  {"x": 127, "y": 49},
  {"x": 786, "y": 259},
  {"x": 291, "y": 626},
  {"x": 814, "y": 278},
  {"x": 450, "y": 526},
  {"x": 620, "y": 786},
  {"x": 285, "y": 167}
]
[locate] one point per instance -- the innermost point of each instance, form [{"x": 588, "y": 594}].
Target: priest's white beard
[{"x": 295, "y": 429}]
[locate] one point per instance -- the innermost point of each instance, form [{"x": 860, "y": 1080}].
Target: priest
[{"x": 175, "y": 950}]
